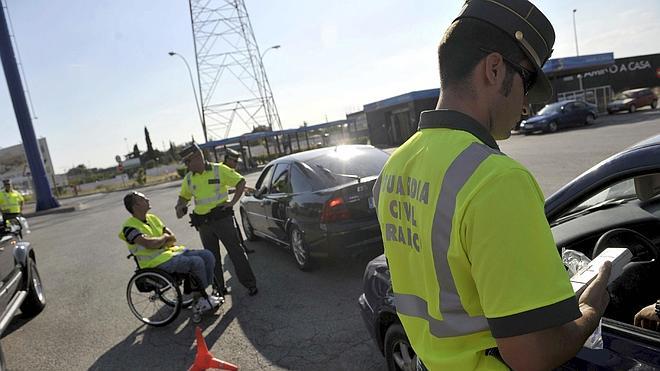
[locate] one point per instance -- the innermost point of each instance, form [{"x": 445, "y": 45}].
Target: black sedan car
[
  {"x": 562, "y": 114},
  {"x": 619, "y": 197},
  {"x": 317, "y": 202}
]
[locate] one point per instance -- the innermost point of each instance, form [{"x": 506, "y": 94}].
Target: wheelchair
[{"x": 156, "y": 297}]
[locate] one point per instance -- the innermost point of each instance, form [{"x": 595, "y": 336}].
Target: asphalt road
[{"x": 302, "y": 321}]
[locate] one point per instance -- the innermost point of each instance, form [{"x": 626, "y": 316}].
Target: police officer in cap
[
  {"x": 477, "y": 279},
  {"x": 206, "y": 183},
  {"x": 232, "y": 159}
]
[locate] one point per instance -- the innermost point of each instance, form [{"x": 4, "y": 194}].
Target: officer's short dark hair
[
  {"x": 461, "y": 47},
  {"x": 129, "y": 201}
]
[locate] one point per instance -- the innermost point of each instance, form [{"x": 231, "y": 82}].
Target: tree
[
  {"x": 172, "y": 152},
  {"x": 136, "y": 151},
  {"x": 150, "y": 148},
  {"x": 260, "y": 128}
]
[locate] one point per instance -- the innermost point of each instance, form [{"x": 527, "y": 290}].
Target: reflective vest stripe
[
  {"x": 204, "y": 201},
  {"x": 452, "y": 324},
  {"x": 456, "y": 321}
]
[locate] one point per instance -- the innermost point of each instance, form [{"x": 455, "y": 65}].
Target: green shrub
[{"x": 141, "y": 177}]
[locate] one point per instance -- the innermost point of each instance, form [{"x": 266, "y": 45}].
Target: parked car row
[{"x": 562, "y": 114}]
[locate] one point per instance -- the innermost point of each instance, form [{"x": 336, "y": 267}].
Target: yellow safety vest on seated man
[
  {"x": 10, "y": 202},
  {"x": 209, "y": 188},
  {"x": 153, "y": 227},
  {"x": 469, "y": 249}
]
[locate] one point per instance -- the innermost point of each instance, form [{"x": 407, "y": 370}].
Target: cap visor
[{"x": 541, "y": 92}]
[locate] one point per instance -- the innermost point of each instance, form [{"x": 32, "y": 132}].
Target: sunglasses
[{"x": 528, "y": 77}]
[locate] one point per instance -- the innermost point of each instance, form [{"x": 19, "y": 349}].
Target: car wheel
[
  {"x": 590, "y": 119},
  {"x": 632, "y": 108},
  {"x": 552, "y": 127},
  {"x": 654, "y": 104},
  {"x": 610, "y": 112},
  {"x": 399, "y": 355},
  {"x": 35, "y": 301},
  {"x": 299, "y": 249},
  {"x": 247, "y": 227}
]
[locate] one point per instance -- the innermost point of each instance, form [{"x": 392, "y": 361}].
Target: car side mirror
[{"x": 259, "y": 192}]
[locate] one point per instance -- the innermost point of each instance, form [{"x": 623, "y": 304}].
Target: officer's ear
[{"x": 494, "y": 69}]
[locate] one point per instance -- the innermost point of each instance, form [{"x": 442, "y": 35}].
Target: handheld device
[{"x": 619, "y": 258}]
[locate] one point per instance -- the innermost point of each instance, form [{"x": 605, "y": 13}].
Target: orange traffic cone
[{"x": 204, "y": 359}]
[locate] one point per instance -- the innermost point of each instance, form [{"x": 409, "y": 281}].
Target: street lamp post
[
  {"x": 265, "y": 79},
  {"x": 577, "y": 51},
  {"x": 192, "y": 82}
]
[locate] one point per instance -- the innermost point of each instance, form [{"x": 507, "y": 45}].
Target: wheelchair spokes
[{"x": 154, "y": 297}]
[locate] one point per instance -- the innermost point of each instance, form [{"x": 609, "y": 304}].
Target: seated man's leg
[
  {"x": 209, "y": 262},
  {"x": 190, "y": 264}
]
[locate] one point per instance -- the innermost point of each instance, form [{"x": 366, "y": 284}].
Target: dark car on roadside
[
  {"x": 631, "y": 100},
  {"x": 559, "y": 115},
  {"x": 20, "y": 283},
  {"x": 620, "y": 197},
  {"x": 317, "y": 202}
]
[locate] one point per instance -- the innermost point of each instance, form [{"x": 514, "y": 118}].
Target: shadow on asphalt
[
  {"x": 17, "y": 322},
  {"x": 298, "y": 320}
]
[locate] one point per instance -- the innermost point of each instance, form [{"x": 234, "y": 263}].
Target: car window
[
  {"x": 264, "y": 179},
  {"x": 347, "y": 164},
  {"x": 280, "y": 182},
  {"x": 579, "y": 105},
  {"x": 550, "y": 108},
  {"x": 301, "y": 180},
  {"x": 641, "y": 187}
]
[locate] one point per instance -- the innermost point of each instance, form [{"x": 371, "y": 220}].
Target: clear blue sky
[{"x": 99, "y": 71}]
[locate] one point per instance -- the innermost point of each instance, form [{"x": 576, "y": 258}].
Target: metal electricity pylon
[{"x": 233, "y": 85}]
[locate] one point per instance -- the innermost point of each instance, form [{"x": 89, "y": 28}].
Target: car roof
[
  {"x": 314, "y": 153},
  {"x": 635, "y": 90}
]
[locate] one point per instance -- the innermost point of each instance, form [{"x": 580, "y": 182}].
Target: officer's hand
[
  {"x": 595, "y": 296},
  {"x": 646, "y": 318}
]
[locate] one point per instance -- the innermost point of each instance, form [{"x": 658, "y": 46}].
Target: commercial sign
[{"x": 621, "y": 67}]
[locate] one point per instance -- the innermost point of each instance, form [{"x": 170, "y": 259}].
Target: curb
[{"x": 57, "y": 210}]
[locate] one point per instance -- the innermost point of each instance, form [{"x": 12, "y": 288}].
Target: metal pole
[
  {"x": 577, "y": 51},
  {"x": 199, "y": 80},
  {"x": 45, "y": 199},
  {"x": 192, "y": 82}
]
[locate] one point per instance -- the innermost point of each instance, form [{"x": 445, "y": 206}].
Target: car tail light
[{"x": 335, "y": 210}]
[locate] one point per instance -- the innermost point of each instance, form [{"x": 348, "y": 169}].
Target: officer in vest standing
[
  {"x": 477, "y": 279},
  {"x": 232, "y": 159},
  {"x": 206, "y": 183},
  {"x": 11, "y": 201}
]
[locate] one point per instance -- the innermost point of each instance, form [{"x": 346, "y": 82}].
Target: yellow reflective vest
[
  {"x": 10, "y": 202},
  {"x": 469, "y": 249},
  {"x": 152, "y": 227},
  {"x": 209, "y": 188}
]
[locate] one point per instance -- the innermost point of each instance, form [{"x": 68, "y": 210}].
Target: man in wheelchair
[{"x": 154, "y": 246}]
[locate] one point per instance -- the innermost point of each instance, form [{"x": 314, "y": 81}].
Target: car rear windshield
[
  {"x": 346, "y": 164},
  {"x": 550, "y": 108}
]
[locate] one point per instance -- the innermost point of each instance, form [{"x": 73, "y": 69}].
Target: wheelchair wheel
[
  {"x": 154, "y": 297},
  {"x": 186, "y": 299}
]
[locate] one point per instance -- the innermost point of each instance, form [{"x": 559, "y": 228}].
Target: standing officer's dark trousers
[{"x": 222, "y": 228}]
